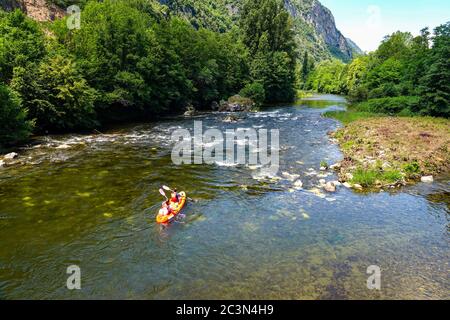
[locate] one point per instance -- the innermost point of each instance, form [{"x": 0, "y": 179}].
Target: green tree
[
  {"x": 21, "y": 42},
  {"x": 435, "y": 85},
  {"x": 14, "y": 126},
  {"x": 55, "y": 94},
  {"x": 267, "y": 33}
]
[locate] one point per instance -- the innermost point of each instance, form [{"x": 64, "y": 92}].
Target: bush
[
  {"x": 254, "y": 91},
  {"x": 14, "y": 126},
  {"x": 391, "y": 105}
]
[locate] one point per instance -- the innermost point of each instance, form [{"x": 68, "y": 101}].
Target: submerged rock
[{"x": 427, "y": 179}]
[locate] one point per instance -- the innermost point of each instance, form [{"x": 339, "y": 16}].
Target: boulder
[
  {"x": 322, "y": 182},
  {"x": 236, "y": 104},
  {"x": 330, "y": 187},
  {"x": 357, "y": 187},
  {"x": 2, "y": 163},
  {"x": 427, "y": 179},
  {"x": 298, "y": 184},
  {"x": 190, "y": 111},
  {"x": 323, "y": 168}
]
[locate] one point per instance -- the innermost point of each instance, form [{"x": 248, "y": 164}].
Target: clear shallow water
[{"x": 94, "y": 205}]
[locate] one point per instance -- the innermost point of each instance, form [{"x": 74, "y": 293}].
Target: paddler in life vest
[
  {"x": 166, "y": 209},
  {"x": 174, "y": 197}
]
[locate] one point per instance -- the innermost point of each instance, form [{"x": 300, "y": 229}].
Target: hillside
[{"x": 314, "y": 24}]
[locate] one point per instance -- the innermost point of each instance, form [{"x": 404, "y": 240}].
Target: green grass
[
  {"x": 351, "y": 115},
  {"x": 370, "y": 177}
]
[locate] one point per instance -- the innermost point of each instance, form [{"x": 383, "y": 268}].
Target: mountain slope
[{"x": 314, "y": 24}]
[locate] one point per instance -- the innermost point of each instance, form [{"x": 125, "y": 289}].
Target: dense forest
[
  {"x": 406, "y": 75},
  {"x": 129, "y": 59}
]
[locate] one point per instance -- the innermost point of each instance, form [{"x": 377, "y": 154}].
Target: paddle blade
[
  {"x": 167, "y": 188},
  {"x": 161, "y": 191}
]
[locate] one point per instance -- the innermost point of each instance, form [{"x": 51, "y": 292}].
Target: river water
[{"x": 91, "y": 200}]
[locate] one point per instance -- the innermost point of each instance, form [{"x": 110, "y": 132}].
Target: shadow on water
[{"x": 91, "y": 201}]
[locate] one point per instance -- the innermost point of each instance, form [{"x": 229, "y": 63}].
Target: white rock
[
  {"x": 330, "y": 187},
  {"x": 349, "y": 176},
  {"x": 427, "y": 179},
  {"x": 2, "y": 163},
  {"x": 357, "y": 187},
  {"x": 10, "y": 156},
  {"x": 323, "y": 169},
  {"x": 322, "y": 182},
  {"x": 298, "y": 184}
]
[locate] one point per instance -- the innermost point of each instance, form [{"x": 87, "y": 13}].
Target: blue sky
[{"x": 367, "y": 21}]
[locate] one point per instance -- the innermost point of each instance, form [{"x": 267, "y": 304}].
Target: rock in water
[
  {"x": 330, "y": 187},
  {"x": 10, "y": 156},
  {"x": 427, "y": 179},
  {"x": 236, "y": 104},
  {"x": 298, "y": 184},
  {"x": 190, "y": 111}
]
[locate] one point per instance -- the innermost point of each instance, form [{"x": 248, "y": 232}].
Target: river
[{"x": 91, "y": 200}]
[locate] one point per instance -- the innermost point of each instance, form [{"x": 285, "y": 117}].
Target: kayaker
[
  {"x": 166, "y": 208},
  {"x": 175, "y": 197}
]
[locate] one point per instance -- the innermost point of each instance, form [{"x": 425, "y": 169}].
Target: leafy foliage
[
  {"x": 14, "y": 126},
  {"x": 267, "y": 33},
  {"x": 405, "y": 75}
]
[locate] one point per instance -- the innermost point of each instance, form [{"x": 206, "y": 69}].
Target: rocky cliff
[{"x": 39, "y": 10}]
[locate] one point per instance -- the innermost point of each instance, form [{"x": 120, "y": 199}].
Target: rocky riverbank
[{"x": 388, "y": 152}]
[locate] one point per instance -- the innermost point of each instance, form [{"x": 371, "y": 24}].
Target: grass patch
[
  {"x": 350, "y": 115},
  {"x": 391, "y": 149},
  {"x": 371, "y": 177}
]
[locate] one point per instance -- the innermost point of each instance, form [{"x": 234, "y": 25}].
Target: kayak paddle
[
  {"x": 161, "y": 191},
  {"x": 171, "y": 190}
]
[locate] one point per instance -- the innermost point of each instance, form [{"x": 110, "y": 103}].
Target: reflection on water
[{"x": 91, "y": 201}]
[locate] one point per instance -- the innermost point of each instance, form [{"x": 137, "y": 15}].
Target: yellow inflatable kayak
[{"x": 176, "y": 209}]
